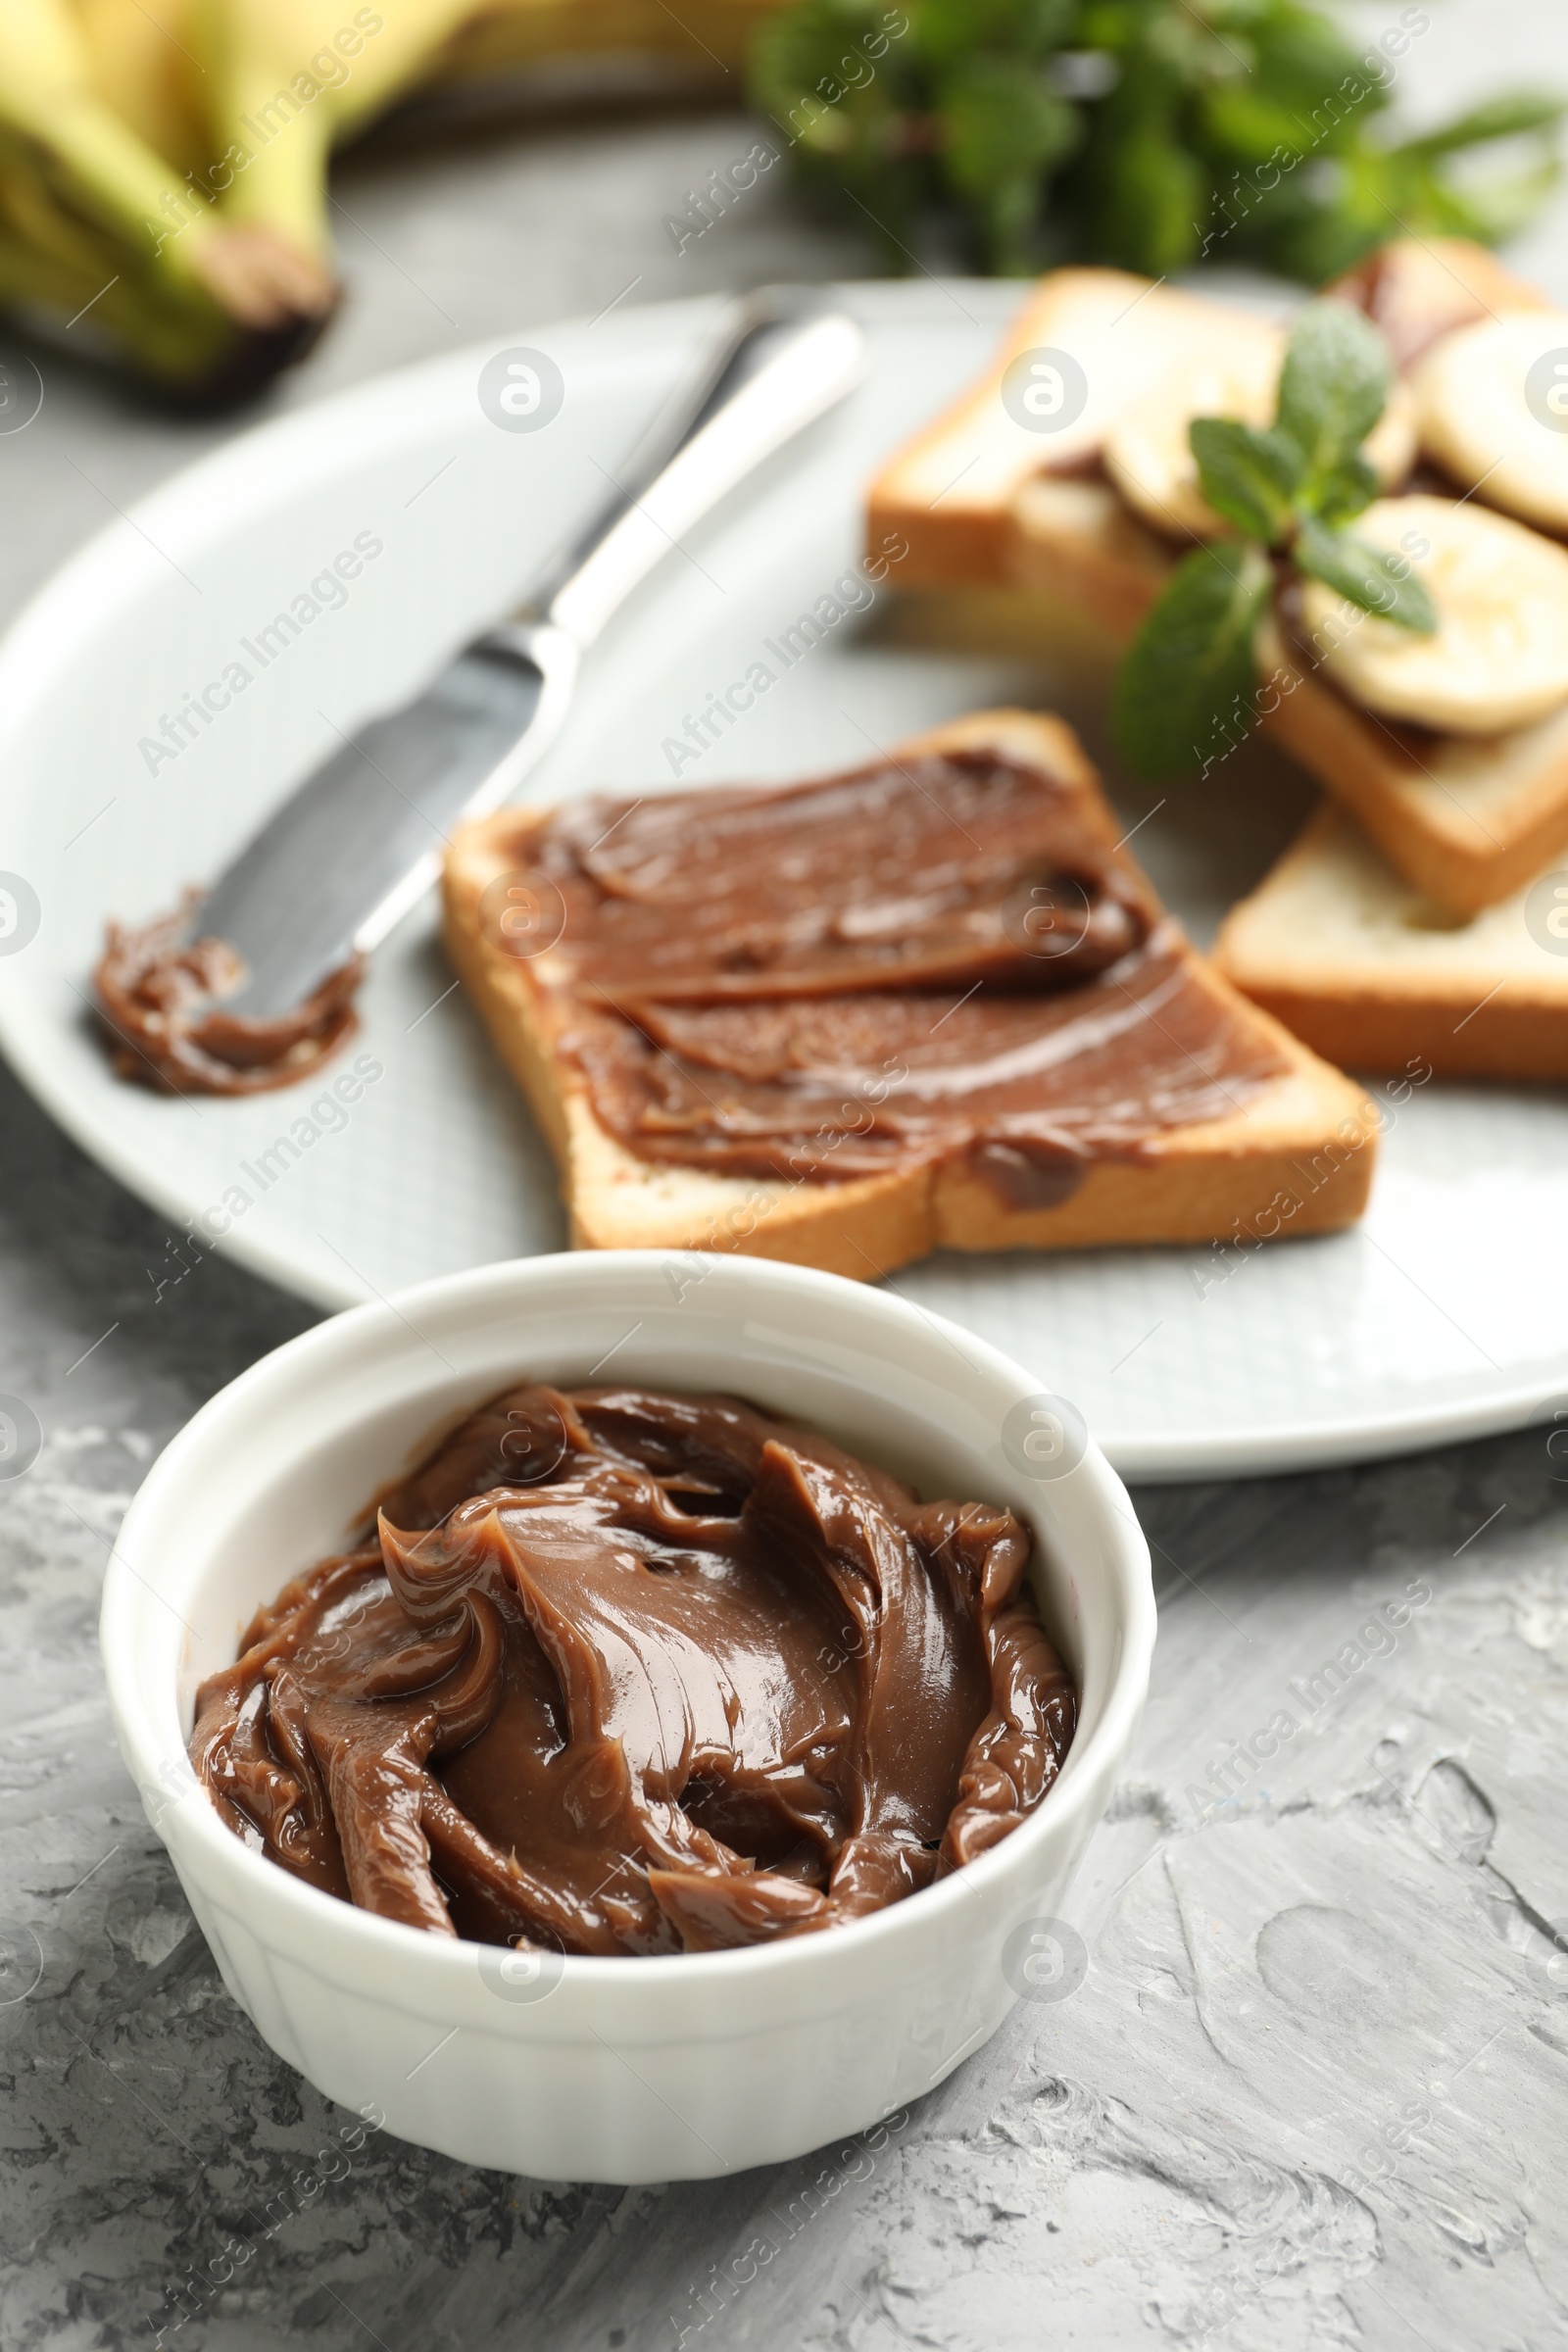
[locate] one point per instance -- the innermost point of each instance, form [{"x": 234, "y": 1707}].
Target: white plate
[{"x": 1439, "y": 1317}]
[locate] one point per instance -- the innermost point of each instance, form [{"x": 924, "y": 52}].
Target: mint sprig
[
  {"x": 1187, "y": 689},
  {"x": 1151, "y": 133}
]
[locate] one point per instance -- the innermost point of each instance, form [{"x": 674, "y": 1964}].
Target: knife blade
[{"x": 360, "y": 840}]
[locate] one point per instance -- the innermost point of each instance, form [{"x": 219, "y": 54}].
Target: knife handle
[{"x": 775, "y": 375}]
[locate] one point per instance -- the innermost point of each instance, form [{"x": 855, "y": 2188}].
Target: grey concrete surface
[{"x": 1311, "y": 2089}]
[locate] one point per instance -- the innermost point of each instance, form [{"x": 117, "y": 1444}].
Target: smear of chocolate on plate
[{"x": 161, "y": 988}]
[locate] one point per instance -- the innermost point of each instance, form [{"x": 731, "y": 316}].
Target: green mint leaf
[
  {"x": 1305, "y": 60},
  {"x": 1342, "y": 494},
  {"x": 1249, "y": 477},
  {"x": 1367, "y": 576},
  {"x": 1500, "y": 205},
  {"x": 998, "y": 122},
  {"x": 1144, "y": 196},
  {"x": 1508, "y": 117},
  {"x": 1187, "y": 690},
  {"x": 1002, "y": 131},
  {"x": 951, "y": 31},
  {"x": 1333, "y": 388},
  {"x": 1245, "y": 127}
]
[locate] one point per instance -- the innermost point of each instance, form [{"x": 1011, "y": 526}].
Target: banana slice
[
  {"x": 1392, "y": 443},
  {"x": 1499, "y": 658},
  {"x": 1492, "y": 404},
  {"x": 1147, "y": 457}
]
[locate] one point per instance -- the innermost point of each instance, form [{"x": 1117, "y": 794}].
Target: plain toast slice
[
  {"x": 1366, "y": 970},
  {"x": 949, "y": 490}
]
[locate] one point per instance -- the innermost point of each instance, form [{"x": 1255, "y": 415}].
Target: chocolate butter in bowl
[
  {"x": 627, "y": 1673},
  {"x": 161, "y": 992}
]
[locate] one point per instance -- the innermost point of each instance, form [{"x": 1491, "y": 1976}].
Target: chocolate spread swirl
[
  {"x": 933, "y": 958},
  {"x": 628, "y": 1673},
  {"x": 159, "y": 989}
]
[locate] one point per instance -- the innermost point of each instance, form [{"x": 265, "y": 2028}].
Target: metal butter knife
[{"x": 362, "y": 839}]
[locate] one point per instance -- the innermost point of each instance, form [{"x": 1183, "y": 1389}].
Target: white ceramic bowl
[{"x": 611, "y": 2070}]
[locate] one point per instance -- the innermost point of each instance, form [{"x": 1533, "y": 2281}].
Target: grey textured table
[{"x": 1311, "y": 2089}]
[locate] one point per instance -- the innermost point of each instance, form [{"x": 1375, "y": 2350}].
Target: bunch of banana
[{"x": 163, "y": 162}]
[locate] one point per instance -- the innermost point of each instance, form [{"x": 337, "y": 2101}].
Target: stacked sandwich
[{"x": 1419, "y": 916}]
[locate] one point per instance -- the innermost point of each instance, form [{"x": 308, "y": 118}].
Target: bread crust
[
  {"x": 1297, "y": 1158},
  {"x": 1468, "y": 821}
]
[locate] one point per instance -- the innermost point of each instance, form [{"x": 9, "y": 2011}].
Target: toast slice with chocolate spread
[
  {"x": 928, "y": 1003},
  {"x": 986, "y": 500},
  {"x": 1361, "y": 966}
]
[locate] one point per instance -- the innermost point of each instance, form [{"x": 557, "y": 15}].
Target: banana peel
[
  {"x": 508, "y": 35},
  {"x": 164, "y": 163}
]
